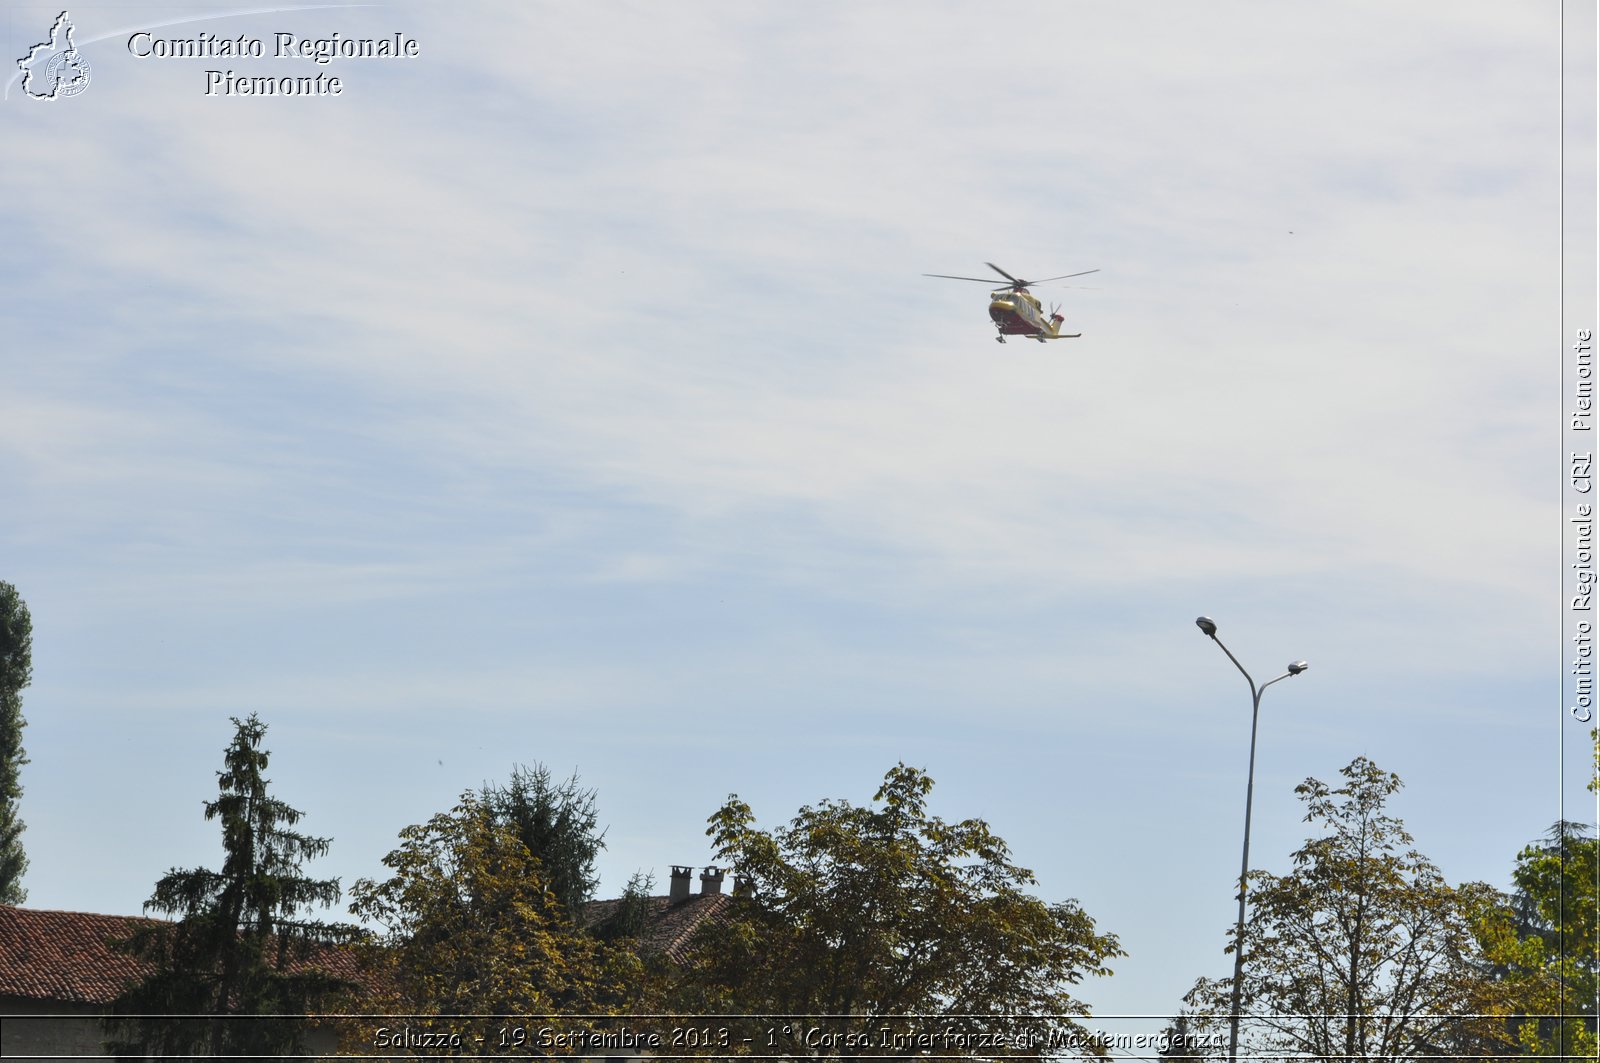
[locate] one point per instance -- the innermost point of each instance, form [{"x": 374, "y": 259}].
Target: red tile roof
[
  {"x": 668, "y": 926},
  {"x": 67, "y": 956}
]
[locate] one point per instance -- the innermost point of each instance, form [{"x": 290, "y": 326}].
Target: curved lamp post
[{"x": 1208, "y": 627}]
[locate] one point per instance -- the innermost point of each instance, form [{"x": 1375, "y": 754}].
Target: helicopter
[{"x": 1016, "y": 312}]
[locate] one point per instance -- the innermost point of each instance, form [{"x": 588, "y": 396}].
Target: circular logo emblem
[{"x": 67, "y": 73}]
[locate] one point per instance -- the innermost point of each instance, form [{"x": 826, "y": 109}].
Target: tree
[
  {"x": 881, "y": 912},
  {"x": 1182, "y": 1043},
  {"x": 1364, "y": 951},
  {"x": 556, "y": 821},
  {"x": 632, "y": 912},
  {"x": 240, "y": 946},
  {"x": 472, "y": 927},
  {"x": 1557, "y": 903},
  {"x": 16, "y": 671},
  {"x": 1556, "y": 879}
]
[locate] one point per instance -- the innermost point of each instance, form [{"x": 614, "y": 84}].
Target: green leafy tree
[
  {"x": 1364, "y": 951},
  {"x": 240, "y": 945},
  {"x": 632, "y": 912},
  {"x": 1557, "y": 901},
  {"x": 1184, "y": 1043},
  {"x": 557, "y": 822},
  {"x": 16, "y": 671},
  {"x": 880, "y": 912},
  {"x": 470, "y": 926}
]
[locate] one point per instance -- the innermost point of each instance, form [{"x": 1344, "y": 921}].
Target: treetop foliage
[
  {"x": 16, "y": 672},
  {"x": 240, "y": 944},
  {"x": 1556, "y": 932},
  {"x": 886, "y": 910},
  {"x": 1364, "y": 950},
  {"x": 557, "y": 822},
  {"x": 472, "y": 927}
]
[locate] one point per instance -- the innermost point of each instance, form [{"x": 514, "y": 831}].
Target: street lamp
[{"x": 1208, "y": 627}]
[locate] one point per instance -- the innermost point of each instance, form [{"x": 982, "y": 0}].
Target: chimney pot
[
  {"x": 711, "y": 881},
  {"x": 680, "y": 884}
]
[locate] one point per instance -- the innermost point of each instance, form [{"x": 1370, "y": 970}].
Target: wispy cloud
[{"x": 586, "y": 362}]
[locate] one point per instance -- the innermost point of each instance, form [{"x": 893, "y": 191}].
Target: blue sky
[{"x": 571, "y": 393}]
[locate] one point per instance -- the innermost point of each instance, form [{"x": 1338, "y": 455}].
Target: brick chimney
[
  {"x": 680, "y": 884},
  {"x": 711, "y": 881}
]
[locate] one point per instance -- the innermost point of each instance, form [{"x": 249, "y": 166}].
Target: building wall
[{"x": 31, "y": 1029}]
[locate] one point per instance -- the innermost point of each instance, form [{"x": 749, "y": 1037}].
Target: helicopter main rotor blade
[
  {"x": 1006, "y": 275},
  {"x": 1064, "y": 276},
  {"x": 1016, "y": 283}
]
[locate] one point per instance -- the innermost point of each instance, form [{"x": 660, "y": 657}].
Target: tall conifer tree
[
  {"x": 557, "y": 821},
  {"x": 16, "y": 670},
  {"x": 240, "y": 945}
]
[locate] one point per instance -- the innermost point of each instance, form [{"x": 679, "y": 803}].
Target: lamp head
[
  {"x": 1207, "y": 625},
  {"x": 1296, "y": 667}
]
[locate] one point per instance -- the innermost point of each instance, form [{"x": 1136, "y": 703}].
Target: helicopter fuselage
[{"x": 1018, "y": 313}]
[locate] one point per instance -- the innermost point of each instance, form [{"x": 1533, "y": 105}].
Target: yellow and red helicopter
[{"x": 1016, "y": 312}]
